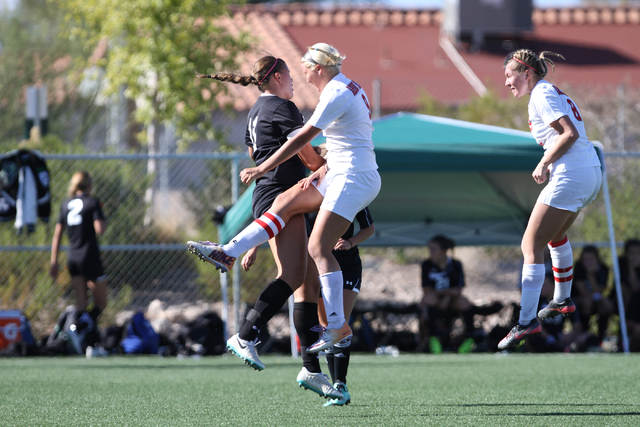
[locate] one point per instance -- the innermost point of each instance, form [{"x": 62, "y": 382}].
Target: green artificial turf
[{"x": 410, "y": 390}]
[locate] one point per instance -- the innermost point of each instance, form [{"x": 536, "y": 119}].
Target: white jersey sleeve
[
  {"x": 344, "y": 116},
  {"x": 547, "y": 105}
]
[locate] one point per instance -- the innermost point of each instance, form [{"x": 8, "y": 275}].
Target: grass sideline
[{"x": 410, "y": 390}]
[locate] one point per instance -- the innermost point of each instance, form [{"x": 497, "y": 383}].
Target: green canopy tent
[{"x": 469, "y": 181}]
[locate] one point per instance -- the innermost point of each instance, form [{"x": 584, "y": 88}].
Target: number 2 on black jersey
[{"x": 75, "y": 207}]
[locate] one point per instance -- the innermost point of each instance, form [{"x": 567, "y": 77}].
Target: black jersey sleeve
[
  {"x": 247, "y": 137},
  {"x": 288, "y": 118},
  {"x": 458, "y": 268},
  {"x": 98, "y": 213},
  {"x": 364, "y": 218}
]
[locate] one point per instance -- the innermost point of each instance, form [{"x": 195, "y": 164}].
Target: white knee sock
[
  {"x": 532, "y": 280},
  {"x": 562, "y": 261},
  {"x": 256, "y": 233},
  {"x": 332, "y": 285}
]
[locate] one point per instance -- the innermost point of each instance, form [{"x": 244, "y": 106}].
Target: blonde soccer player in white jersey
[
  {"x": 575, "y": 176},
  {"x": 348, "y": 183}
]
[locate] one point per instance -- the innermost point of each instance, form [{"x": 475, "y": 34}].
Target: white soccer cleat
[
  {"x": 330, "y": 337},
  {"x": 212, "y": 253},
  {"x": 319, "y": 383},
  {"x": 245, "y": 350}
]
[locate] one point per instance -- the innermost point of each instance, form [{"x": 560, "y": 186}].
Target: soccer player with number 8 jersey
[{"x": 575, "y": 177}]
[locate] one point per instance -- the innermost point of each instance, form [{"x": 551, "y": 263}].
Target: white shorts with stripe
[
  {"x": 346, "y": 194},
  {"x": 572, "y": 190}
]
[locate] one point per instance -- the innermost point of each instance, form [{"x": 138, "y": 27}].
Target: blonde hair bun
[{"x": 325, "y": 54}]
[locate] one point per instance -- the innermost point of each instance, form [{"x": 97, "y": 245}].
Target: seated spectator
[
  {"x": 629, "y": 264},
  {"x": 630, "y": 284},
  {"x": 553, "y": 337},
  {"x": 589, "y": 285},
  {"x": 442, "y": 301},
  {"x": 633, "y": 322}
]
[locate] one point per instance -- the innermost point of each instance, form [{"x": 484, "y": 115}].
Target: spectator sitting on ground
[
  {"x": 442, "y": 301},
  {"x": 589, "y": 285},
  {"x": 630, "y": 283}
]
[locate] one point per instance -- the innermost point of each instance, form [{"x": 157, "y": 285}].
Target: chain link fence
[{"x": 152, "y": 215}]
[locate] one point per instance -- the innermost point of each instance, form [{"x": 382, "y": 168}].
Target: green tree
[
  {"x": 154, "y": 50},
  {"x": 32, "y": 53}
]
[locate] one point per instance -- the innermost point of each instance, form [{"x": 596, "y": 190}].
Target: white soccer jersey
[
  {"x": 344, "y": 115},
  {"x": 548, "y": 104}
]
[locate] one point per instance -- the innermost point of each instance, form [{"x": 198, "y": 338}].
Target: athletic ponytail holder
[{"x": 270, "y": 69}]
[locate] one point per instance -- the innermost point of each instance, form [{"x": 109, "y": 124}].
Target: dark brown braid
[
  {"x": 228, "y": 77},
  {"x": 525, "y": 59},
  {"x": 258, "y": 73}
]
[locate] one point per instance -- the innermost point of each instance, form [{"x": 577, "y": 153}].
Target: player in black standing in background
[{"x": 81, "y": 215}]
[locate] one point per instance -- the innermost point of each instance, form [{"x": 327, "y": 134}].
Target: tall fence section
[{"x": 154, "y": 204}]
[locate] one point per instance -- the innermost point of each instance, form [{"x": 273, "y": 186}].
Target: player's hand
[
  {"x": 343, "y": 245},
  {"x": 317, "y": 175},
  {"x": 540, "y": 173},
  {"x": 53, "y": 270},
  {"x": 250, "y": 174},
  {"x": 249, "y": 259}
]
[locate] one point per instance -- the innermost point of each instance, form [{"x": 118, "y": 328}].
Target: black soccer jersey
[
  {"x": 77, "y": 214},
  {"x": 270, "y": 121},
  {"x": 451, "y": 277}
]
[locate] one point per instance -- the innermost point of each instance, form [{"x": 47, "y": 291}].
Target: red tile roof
[{"x": 400, "y": 49}]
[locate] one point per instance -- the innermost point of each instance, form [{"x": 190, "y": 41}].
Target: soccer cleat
[
  {"x": 212, "y": 253},
  {"x": 518, "y": 333},
  {"x": 330, "y": 337},
  {"x": 346, "y": 399},
  {"x": 319, "y": 383},
  {"x": 565, "y": 308},
  {"x": 245, "y": 350}
]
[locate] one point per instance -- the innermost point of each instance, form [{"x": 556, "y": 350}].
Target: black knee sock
[
  {"x": 341, "y": 356},
  {"x": 305, "y": 317},
  {"x": 270, "y": 301},
  {"x": 331, "y": 363}
]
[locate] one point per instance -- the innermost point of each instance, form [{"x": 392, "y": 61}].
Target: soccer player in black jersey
[
  {"x": 347, "y": 184},
  {"x": 81, "y": 215},
  {"x": 274, "y": 119}
]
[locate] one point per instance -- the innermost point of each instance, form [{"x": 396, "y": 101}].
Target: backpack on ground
[
  {"x": 140, "y": 337},
  {"x": 204, "y": 335},
  {"x": 72, "y": 334},
  {"x": 16, "y": 338}
]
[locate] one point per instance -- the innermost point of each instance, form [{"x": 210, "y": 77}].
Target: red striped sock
[{"x": 562, "y": 262}]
